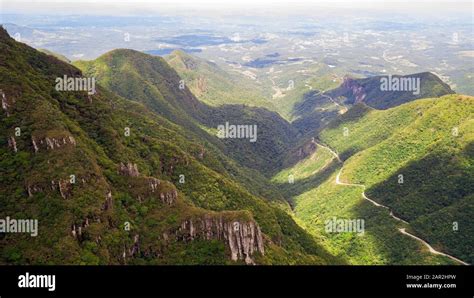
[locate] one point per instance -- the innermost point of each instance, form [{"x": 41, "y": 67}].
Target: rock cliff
[{"x": 242, "y": 237}]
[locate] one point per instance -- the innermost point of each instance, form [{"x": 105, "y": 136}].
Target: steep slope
[
  {"x": 103, "y": 196},
  {"x": 398, "y": 89},
  {"x": 58, "y": 56},
  {"x": 317, "y": 109},
  {"x": 151, "y": 81},
  {"x": 417, "y": 159},
  {"x": 214, "y": 86}
]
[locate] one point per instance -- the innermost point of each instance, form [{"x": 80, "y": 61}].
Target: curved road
[{"x": 402, "y": 230}]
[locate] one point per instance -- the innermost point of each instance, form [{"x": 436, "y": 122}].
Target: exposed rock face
[
  {"x": 153, "y": 182},
  {"x": 65, "y": 189},
  {"x": 144, "y": 188},
  {"x": 243, "y": 238},
  {"x": 78, "y": 229},
  {"x": 356, "y": 89},
  {"x": 169, "y": 197},
  {"x": 306, "y": 150},
  {"x": 189, "y": 63},
  {"x": 108, "y": 202},
  {"x": 33, "y": 141},
  {"x": 12, "y": 144},
  {"x": 32, "y": 189},
  {"x": 201, "y": 85},
  {"x": 5, "y": 104},
  {"x": 52, "y": 143},
  {"x": 135, "y": 249},
  {"x": 129, "y": 169}
]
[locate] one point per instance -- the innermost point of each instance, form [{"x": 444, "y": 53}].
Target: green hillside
[
  {"x": 317, "y": 109},
  {"x": 58, "y": 56},
  {"x": 125, "y": 203},
  {"x": 151, "y": 81},
  {"x": 401, "y": 89},
  {"x": 429, "y": 142},
  {"x": 214, "y": 86}
]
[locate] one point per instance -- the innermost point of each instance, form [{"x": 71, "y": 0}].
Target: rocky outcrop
[
  {"x": 150, "y": 188},
  {"x": 128, "y": 169},
  {"x": 52, "y": 143},
  {"x": 300, "y": 153},
  {"x": 32, "y": 189},
  {"x": 169, "y": 197},
  {"x": 12, "y": 144},
  {"x": 35, "y": 146},
  {"x": 201, "y": 85},
  {"x": 65, "y": 188},
  {"x": 5, "y": 104},
  {"x": 242, "y": 237},
  {"x": 133, "y": 250},
  {"x": 62, "y": 186},
  {"x": 306, "y": 150},
  {"x": 77, "y": 229},
  {"x": 108, "y": 202},
  {"x": 190, "y": 64},
  {"x": 357, "y": 90},
  {"x": 153, "y": 183}
]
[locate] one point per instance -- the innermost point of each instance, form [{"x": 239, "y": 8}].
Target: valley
[{"x": 237, "y": 144}]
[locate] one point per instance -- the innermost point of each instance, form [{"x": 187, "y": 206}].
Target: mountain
[
  {"x": 416, "y": 159},
  {"x": 398, "y": 89},
  {"x": 58, "y": 56},
  {"x": 317, "y": 109},
  {"x": 110, "y": 181},
  {"x": 151, "y": 81},
  {"x": 214, "y": 86},
  {"x": 25, "y": 32},
  {"x": 429, "y": 142}
]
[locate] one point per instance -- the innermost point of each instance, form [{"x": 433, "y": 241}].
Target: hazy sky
[{"x": 223, "y": 7}]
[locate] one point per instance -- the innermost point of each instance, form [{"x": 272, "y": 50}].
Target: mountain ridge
[{"x": 73, "y": 168}]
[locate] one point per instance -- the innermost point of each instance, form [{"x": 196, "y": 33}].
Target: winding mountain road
[{"x": 401, "y": 230}]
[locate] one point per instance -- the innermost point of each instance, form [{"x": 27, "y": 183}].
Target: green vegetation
[
  {"x": 151, "y": 81},
  {"x": 439, "y": 137},
  {"x": 56, "y": 55},
  {"x": 85, "y": 222},
  {"x": 320, "y": 159},
  {"x": 214, "y": 86},
  {"x": 172, "y": 169},
  {"x": 378, "y": 146},
  {"x": 369, "y": 90}
]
